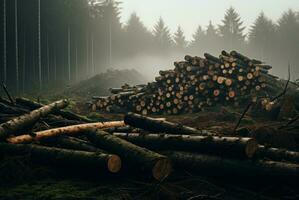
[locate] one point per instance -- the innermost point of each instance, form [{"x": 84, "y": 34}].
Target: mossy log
[
  {"x": 135, "y": 156},
  {"x": 68, "y": 130},
  {"x": 63, "y": 157},
  {"x": 218, "y": 166},
  {"x": 66, "y": 114},
  {"x": 162, "y": 126},
  {"x": 224, "y": 146},
  {"x": 29, "y": 119}
]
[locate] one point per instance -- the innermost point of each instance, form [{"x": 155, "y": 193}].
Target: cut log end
[
  {"x": 251, "y": 148},
  {"x": 162, "y": 169},
  {"x": 114, "y": 163}
]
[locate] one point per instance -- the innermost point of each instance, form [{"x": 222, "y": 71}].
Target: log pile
[
  {"x": 193, "y": 84},
  {"x": 148, "y": 146}
]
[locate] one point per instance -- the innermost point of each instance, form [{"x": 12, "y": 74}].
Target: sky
[{"x": 191, "y": 13}]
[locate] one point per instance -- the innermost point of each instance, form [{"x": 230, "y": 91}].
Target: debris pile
[
  {"x": 193, "y": 84},
  {"x": 99, "y": 83}
]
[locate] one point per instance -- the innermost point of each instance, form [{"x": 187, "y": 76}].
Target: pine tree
[
  {"x": 137, "y": 36},
  {"x": 288, "y": 40},
  {"x": 197, "y": 40},
  {"x": 211, "y": 31},
  {"x": 179, "y": 39},
  {"x": 162, "y": 36},
  {"x": 231, "y": 31},
  {"x": 262, "y": 36},
  {"x": 211, "y": 41}
]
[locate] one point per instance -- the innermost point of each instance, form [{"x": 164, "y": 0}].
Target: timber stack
[{"x": 194, "y": 84}]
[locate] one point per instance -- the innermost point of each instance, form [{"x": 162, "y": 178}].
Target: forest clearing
[
  {"x": 138, "y": 99},
  {"x": 241, "y": 136}
]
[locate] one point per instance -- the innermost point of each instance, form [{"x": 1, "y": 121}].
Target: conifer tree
[
  {"x": 162, "y": 36},
  {"x": 179, "y": 39},
  {"x": 231, "y": 31}
]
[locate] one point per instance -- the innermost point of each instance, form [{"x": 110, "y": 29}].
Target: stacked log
[{"x": 193, "y": 84}]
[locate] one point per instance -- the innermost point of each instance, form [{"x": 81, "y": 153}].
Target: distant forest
[{"x": 49, "y": 43}]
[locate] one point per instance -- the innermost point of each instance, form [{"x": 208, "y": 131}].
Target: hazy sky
[{"x": 191, "y": 13}]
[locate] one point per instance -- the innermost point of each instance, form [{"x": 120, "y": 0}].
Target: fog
[{"x": 71, "y": 41}]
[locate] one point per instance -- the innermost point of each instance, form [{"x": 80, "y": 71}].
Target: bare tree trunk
[
  {"x": 92, "y": 55},
  {"x": 39, "y": 49},
  {"x": 4, "y": 44},
  {"x": 87, "y": 55},
  {"x": 17, "y": 48},
  {"x": 76, "y": 60},
  {"x": 69, "y": 54},
  {"x": 24, "y": 65},
  {"x": 48, "y": 60},
  {"x": 55, "y": 64}
]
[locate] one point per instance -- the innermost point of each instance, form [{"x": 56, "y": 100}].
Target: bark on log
[
  {"x": 26, "y": 120},
  {"x": 66, "y": 114},
  {"x": 66, "y": 142},
  {"x": 158, "y": 165},
  {"x": 217, "y": 166},
  {"x": 226, "y": 146},
  {"x": 63, "y": 157},
  {"x": 68, "y": 130},
  {"x": 161, "y": 126},
  {"x": 277, "y": 154},
  {"x": 8, "y": 109}
]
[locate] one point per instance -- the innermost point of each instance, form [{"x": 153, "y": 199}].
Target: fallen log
[
  {"x": 68, "y": 130},
  {"x": 147, "y": 160},
  {"x": 8, "y": 109},
  {"x": 218, "y": 166},
  {"x": 66, "y": 114},
  {"x": 67, "y": 142},
  {"x": 277, "y": 154},
  {"x": 224, "y": 146},
  {"x": 26, "y": 120},
  {"x": 162, "y": 126},
  {"x": 76, "y": 159}
]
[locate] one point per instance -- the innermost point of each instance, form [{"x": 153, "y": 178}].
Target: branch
[
  {"x": 242, "y": 116},
  {"x": 7, "y": 93}
]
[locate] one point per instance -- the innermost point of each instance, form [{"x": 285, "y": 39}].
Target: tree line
[{"x": 47, "y": 43}]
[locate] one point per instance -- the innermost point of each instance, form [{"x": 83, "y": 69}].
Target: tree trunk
[
  {"x": 68, "y": 130},
  {"x": 26, "y": 120},
  {"x": 218, "y": 166},
  {"x": 70, "y": 143},
  {"x": 159, "y": 165},
  {"x": 277, "y": 154},
  {"x": 63, "y": 157},
  {"x": 66, "y": 114},
  {"x": 226, "y": 146},
  {"x": 161, "y": 126}
]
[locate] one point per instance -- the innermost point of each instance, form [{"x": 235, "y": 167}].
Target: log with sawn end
[
  {"x": 138, "y": 157},
  {"x": 224, "y": 146},
  {"x": 64, "y": 157}
]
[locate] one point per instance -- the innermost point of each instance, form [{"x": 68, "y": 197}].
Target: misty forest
[{"x": 93, "y": 107}]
